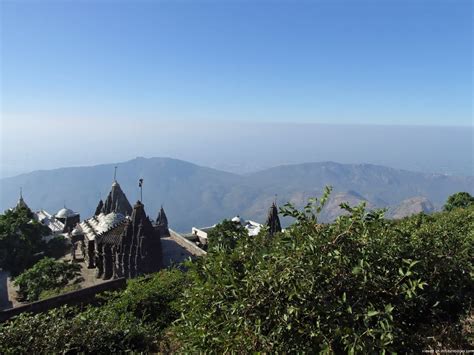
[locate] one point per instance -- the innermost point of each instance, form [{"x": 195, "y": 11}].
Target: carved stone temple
[{"x": 121, "y": 241}]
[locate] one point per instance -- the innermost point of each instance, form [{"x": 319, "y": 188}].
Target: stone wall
[{"x": 79, "y": 297}]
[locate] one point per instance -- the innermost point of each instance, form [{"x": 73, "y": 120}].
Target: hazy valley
[{"x": 197, "y": 196}]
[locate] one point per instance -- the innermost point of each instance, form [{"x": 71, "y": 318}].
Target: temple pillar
[
  {"x": 108, "y": 262},
  {"x": 90, "y": 254},
  {"x": 99, "y": 261}
]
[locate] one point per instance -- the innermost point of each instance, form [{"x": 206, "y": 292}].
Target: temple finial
[{"x": 115, "y": 173}]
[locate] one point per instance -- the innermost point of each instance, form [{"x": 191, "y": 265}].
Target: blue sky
[{"x": 404, "y": 62}]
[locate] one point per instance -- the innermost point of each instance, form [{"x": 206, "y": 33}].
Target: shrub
[
  {"x": 361, "y": 284},
  {"x": 459, "y": 200},
  {"x": 131, "y": 320},
  {"x": 47, "y": 274}
]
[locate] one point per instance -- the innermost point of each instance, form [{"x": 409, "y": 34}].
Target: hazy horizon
[
  {"x": 238, "y": 147},
  {"x": 235, "y": 85}
]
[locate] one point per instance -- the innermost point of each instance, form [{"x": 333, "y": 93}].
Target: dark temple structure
[
  {"x": 162, "y": 223},
  {"x": 116, "y": 201},
  {"x": 273, "y": 221},
  {"x": 130, "y": 249},
  {"x": 118, "y": 244}
]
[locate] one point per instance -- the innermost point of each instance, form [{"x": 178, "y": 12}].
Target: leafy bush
[
  {"x": 459, "y": 200},
  {"x": 95, "y": 330},
  {"x": 225, "y": 235},
  {"x": 153, "y": 299},
  {"x": 131, "y": 320},
  {"x": 361, "y": 284},
  {"x": 46, "y": 275}
]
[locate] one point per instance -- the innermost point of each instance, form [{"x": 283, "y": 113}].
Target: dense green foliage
[
  {"x": 20, "y": 240},
  {"x": 22, "y": 243},
  {"x": 361, "y": 284},
  {"x": 225, "y": 235},
  {"x": 134, "y": 319},
  {"x": 57, "y": 247},
  {"x": 46, "y": 275},
  {"x": 459, "y": 200}
]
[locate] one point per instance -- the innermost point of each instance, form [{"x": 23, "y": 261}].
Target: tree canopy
[
  {"x": 21, "y": 240},
  {"x": 459, "y": 200}
]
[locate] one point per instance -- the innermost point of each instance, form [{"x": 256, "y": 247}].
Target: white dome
[
  {"x": 65, "y": 213},
  {"x": 236, "y": 219}
]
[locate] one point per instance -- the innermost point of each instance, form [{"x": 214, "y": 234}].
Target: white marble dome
[
  {"x": 237, "y": 219},
  {"x": 65, "y": 213}
]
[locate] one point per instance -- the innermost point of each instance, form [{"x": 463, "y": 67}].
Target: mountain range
[{"x": 194, "y": 195}]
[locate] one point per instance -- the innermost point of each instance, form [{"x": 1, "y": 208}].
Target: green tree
[
  {"x": 21, "y": 240},
  {"x": 459, "y": 200},
  {"x": 47, "y": 274},
  {"x": 225, "y": 235}
]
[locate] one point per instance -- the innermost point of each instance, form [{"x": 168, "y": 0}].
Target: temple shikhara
[{"x": 121, "y": 241}]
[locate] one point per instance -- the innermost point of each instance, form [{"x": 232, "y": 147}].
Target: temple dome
[
  {"x": 237, "y": 219},
  {"x": 65, "y": 213}
]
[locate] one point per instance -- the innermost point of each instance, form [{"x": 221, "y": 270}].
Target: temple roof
[
  {"x": 101, "y": 224},
  {"x": 139, "y": 216},
  {"x": 273, "y": 221},
  {"x": 162, "y": 220},
  {"x": 50, "y": 221},
  {"x": 114, "y": 235},
  {"x": 21, "y": 203},
  {"x": 117, "y": 201},
  {"x": 65, "y": 213},
  {"x": 139, "y": 224}
]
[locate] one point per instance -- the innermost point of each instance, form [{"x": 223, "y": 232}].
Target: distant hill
[
  {"x": 193, "y": 195},
  {"x": 411, "y": 206}
]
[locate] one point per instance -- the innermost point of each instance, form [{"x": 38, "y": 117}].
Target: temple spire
[
  {"x": 162, "y": 220},
  {"x": 21, "y": 202},
  {"x": 116, "y": 201},
  {"x": 162, "y": 223},
  {"x": 98, "y": 210},
  {"x": 273, "y": 221}
]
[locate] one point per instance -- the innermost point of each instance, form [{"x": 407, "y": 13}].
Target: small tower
[
  {"x": 273, "y": 221},
  {"x": 162, "y": 223}
]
